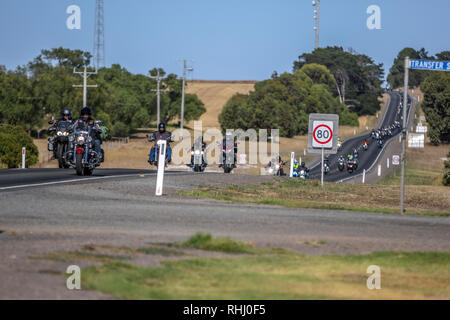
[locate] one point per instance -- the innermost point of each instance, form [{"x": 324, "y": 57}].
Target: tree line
[
  {"x": 123, "y": 101},
  {"x": 396, "y": 75},
  {"x": 328, "y": 80},
  {"x": 435, "y": 86}
]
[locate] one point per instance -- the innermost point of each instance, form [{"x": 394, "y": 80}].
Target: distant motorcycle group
[
  {"x": 77, "y": 143},
  {"x": 379, "y": 135},
  {"x": 198, "y": 161}
]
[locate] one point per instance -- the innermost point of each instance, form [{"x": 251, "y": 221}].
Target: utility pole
[
  {"x": 158, "y": 79},
  {"x": 404, "y": 132},
  {"x": 316, "y": 3},
  {"x": 185, "y": 69},
  {"x": 85, "y": 74}
]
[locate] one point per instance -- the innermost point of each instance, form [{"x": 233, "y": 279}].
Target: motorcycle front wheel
[
  {"x": 59, "y": 154},
  {"x": 79, "y": 164}
]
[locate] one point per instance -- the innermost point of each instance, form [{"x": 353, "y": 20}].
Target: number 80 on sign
[{"x": 322, "y": 134}]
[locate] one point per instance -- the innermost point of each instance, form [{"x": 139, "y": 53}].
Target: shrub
[
  {"x": 12, "y": 139},
  {"x": 120, "y": 129},
  {"x": 446, "y": 178}
]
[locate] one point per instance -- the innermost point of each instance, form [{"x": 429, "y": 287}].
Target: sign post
[
  {"x": 161, "y": 166},
  {"x": 322, "y": 136},
  {"x": 417, "y": 65}
]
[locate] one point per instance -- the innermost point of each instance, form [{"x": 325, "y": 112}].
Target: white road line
[{"x": 73, "y": 180}]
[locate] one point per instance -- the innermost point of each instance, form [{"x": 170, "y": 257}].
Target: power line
[
  {"x": 185, "y": 70},
  {"x": 85, "y": 74},
  {"x": 158, "y": 79}
]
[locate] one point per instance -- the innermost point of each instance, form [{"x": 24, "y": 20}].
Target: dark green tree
[
  {"x": 436, "y": 106},
  {"x": 446, "y": 177},
  {"x": 397, "y": 72},
  {"x": 357, "y": 78},
  {"x": 284, "y": 102}
]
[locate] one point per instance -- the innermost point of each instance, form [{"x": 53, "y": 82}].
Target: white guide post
[
  {"x": 24, "y": 152},
  {"x": 161, "y": 166}
]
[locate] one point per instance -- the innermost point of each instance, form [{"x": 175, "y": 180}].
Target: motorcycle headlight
[
  {"x": 302, "y": 172},
  {"x": 59, "y": 133},
  {"x": 192, "y": 152},
  {"x": 80, "y": 139},
  {"x": 197, "y": 152},
  {"x": 277, "y": 166},
  {"x": 66, "y": 133}
]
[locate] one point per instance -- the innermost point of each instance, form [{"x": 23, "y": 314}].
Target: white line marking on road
[{"x": 73, "y": 180}]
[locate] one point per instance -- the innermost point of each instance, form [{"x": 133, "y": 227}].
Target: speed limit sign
[{"x": 323, "y": 133}]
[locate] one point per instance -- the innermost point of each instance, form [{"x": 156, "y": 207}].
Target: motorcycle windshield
[
  {"x": 63, "y": 126},
  {"x": 81, "y": 126}
]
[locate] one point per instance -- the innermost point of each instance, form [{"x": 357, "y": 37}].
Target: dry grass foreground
[
  {"x": 241, "y": 271},
  {"x": 297, "y": 193}
]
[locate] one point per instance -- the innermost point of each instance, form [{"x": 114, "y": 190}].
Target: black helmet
[
  {"x": 303, "y": 164},
  {"x": 67, "y": 112},
  {"x": 162, "y": 126},
  {"x": 86, "y": 111}
]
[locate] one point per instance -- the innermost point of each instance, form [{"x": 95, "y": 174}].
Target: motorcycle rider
[
  {"x": 66, "y": 116},
  {"x": 341, "y": 162},
  {"x": 224, "y": 144},
  {"x": 304, "y": 168},
  {"x": 326, "y": 164},
  {"x": 160, "y": 134},
  {"x": 365, "y": 144},
  {"x": 87, "y": 122},
  {"x": 295, "y": 169},
  {"x": 202, "y": 144}
]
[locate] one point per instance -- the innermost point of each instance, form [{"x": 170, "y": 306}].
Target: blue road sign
[{"x": 430, "y": 65}]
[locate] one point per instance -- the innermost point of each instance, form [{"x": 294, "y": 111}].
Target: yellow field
[{"x": 215, "y": 95}]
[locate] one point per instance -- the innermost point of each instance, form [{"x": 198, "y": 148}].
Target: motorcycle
[
  {"x": 303, "y": 175},
  {"x": 59, "y": 143},
  {"x": 365, "y": 146},
  {"x": 380, "y": 143},
  {"x": 198, "y": 161},
  {"x": 156, "y": 148},
  {"x": 341, "y": 165},
  {"x": 228, "y": 158},
  {"x": 83, "y": 156},
  {"x": 351, "y": 166},
  {"x": 326, "y": 168},
  {"x": 275, "y": 167}
]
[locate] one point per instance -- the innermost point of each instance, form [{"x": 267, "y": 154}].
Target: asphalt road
[
  {"x": 124, "y": 212},
  {"x": 366, "y": 158}
]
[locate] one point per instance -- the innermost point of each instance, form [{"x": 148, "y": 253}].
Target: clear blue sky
[{"x": 228, "y": 40}]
